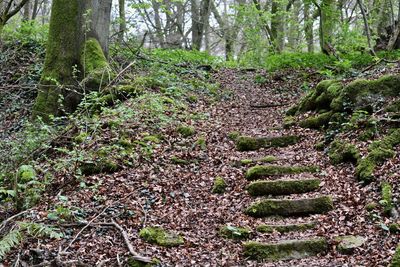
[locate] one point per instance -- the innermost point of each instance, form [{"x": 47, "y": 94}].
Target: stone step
[
  {"x": 247, "y": 143},
  {"x": 282, "y": 187},
  {"x": 290, "y": 207},
  {"x": 285, "y": 250},
  {"x": 261, "y": 171},
  {"x": 285, "y": 228}
]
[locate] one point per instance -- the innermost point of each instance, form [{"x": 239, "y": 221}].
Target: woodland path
[{"x": 178, "y": 197}]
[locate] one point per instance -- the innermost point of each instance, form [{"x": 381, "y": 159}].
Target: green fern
[
  {"x": 9, "y": 241},
  {"x": 14, "y": 237}
]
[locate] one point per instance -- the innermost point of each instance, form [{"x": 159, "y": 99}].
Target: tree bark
[
  {"x": 366, "y": 26},
  {"x": 308, "y": 26},
  {"x": 78, "y": 39},
  {"x": 122, "y": 20}
]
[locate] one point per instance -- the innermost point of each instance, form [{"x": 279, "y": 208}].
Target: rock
[
  {"x": 290, "y": 207},
  {"x": 317, "y": 121},
  {"x": 232, "y": 232},
  {"x": 259, "y": 171},
  {"x": 247, "y": 143},
  {"x": 219, "y": 185},
  {"x": 347, "y": 244},
  {"x": 157, "y": 235},
  {"x": 270, "y": 228},
  {"x": 282, "y": 187},
  {"x": 285, "y": 250}
]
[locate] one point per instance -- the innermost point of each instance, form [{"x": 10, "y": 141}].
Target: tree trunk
[
  {"x": 277, "y": 25},
  {"x": 27, "y": 9},
  {"x": 308, "y": 26},
  {"x": 366, "y": 26},
  {"x": 328, "y": 20},
  {"x": 35, "y": 9},
  {"x": 199, "y": 15},
  {"x": 78, "y": 39},
  {"x": 122, "y": 20},
  {"x": 294, "y": 27}
]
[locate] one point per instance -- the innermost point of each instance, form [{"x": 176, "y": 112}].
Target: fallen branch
[
  {"x": 269, "y": 105},
  {"x": 6, "y": 221},
  {"x": 134, "y": 254}
]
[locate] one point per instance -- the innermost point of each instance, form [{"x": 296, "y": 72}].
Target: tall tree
[
  {"x": 308, "y": 26},
  {"x": 78, "y": 40},
  {"x": 122, "y": 20},
  {"x": 200, "y": 11},
  {"x": 8, "y": 9}
]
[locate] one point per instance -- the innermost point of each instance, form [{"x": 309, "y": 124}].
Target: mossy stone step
[
  {"x": 282, "y": 187},
  {"x": 247, "y": 143},
  {"x": 285, "y": 228},
  {"x": 285, "y": 250},
  {"x": 290, "y": 207},
  {"x": 260, "y": 171}
]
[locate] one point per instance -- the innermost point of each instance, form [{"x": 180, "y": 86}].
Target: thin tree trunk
[
  {"x": 35, "y": 9},
  {"x": 122, "y": 20},
  {"x": 366, "y": 26},
  {"x": 308, "y": 26},
  {"x": 27, "y": 9}
]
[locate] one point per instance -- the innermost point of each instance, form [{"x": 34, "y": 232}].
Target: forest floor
[{"x": 158, "y": 192}]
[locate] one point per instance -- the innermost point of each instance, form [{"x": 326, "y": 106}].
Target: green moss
[
  {"x": 219, "y": 185},
  {"x": 179, "y": 161},
  {"x": 365, "y": 170},
  {"x": 259, "y": 171},
  {"x": 101, "y": 165},
  {"x": 343, "y": 152},
  {"x": 201, "y": 142},
  {"x": 233, "y": 135},
  {"x": 282, "y": 187},
  {"x": 152, "y": 139},
  {"x": 186, "y": 131},
  {"x": 289, "y": 207},
  {"x": 387, "y": 197},
  {"x": 393, "y": 107},
  {"x": 396, "y": 258},
  {"x": 192, "y": 98},
  {"x": 317, "y": 121},
  {"x": 26, "y": 173},
  {"x": 135, "y": 263},
  {"x": 157, "y": 235},
  {"x": 394, "y": 228},
  {"x": 232, "y": 232},
  {"x": 246, "y": 143},
  {"x": 246, "y": 161},
  {"x": 268, "y": 228},
  {"x": 288, "y": 122},
  {"x": 320, "y": 146},
  {"x": 379, "y": 151},
  {"x": 81, "y": 137},
  {"x": 268, "y": 159},
  {"x": 285, "y": 250},
  {"x": 371, "y": 206}
]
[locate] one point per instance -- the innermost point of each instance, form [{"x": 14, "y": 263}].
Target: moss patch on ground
[
  {"x": 186, "y": 131},
  {"x": 396, "y": 258},
  {"x": 232, "y": 232},
  {"x": 159, "y": 236},
  {"x": 379, "y": 151},
  {"x": 285, "y": 250},
  {"x": 282, "y": 187},
  {"x": 290, "y": 207},
  {"x": 247, "y": 143},
  {"x": 259, "y": 171},
  {"x": 387, "y": 197},
  {"x": 340, "y": 152},
  {"x": 219, "y": 186}
]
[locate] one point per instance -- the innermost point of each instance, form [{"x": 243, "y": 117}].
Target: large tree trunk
[
  {"x": 78, "y": 38},
  {"x": 277, "y": 25},
  {"x": 199, "y": 15}
]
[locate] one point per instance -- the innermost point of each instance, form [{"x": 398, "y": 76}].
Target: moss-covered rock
[
  {"x": 340, "y": 151},
  {"x": 396, "y": 258},
  {"x": 387, "y": 197},
  {"x": 186, "y": 131},
  {"x": 290, "y": 207},
  {"x": 394, "y": 228},
  {"x": 179, "y": 161},
  {"x": 316, "y": 122},
  {"x": 347, "y": 244},
  {"x": 288, "y": 122},
  {"x": 135, "y": 263},
  {"x": 232, "y": 232},
  {"x": 246, "y": 143},
  {"x": 379, "y": 151},
  {"x": 259, "y": 171},
  {"x": 266, "y": 159},
  {"x": 102, "y": 165},
  {"x": 219, "y": 185},
  {"x": 285, "y": 228},
  {"x": 159, "y": 236},
  {"x": 285, "y": 250},
  {"x": 371, "y": 206},
  {"x": 282, "y": 187},
  {"x": 233, "y": 135}
]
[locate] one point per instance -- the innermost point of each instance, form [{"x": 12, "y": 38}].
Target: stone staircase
[{"x": 276, "y": 199}]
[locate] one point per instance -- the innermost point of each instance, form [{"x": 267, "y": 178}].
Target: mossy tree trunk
[{"x": 78, "y": 33}]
